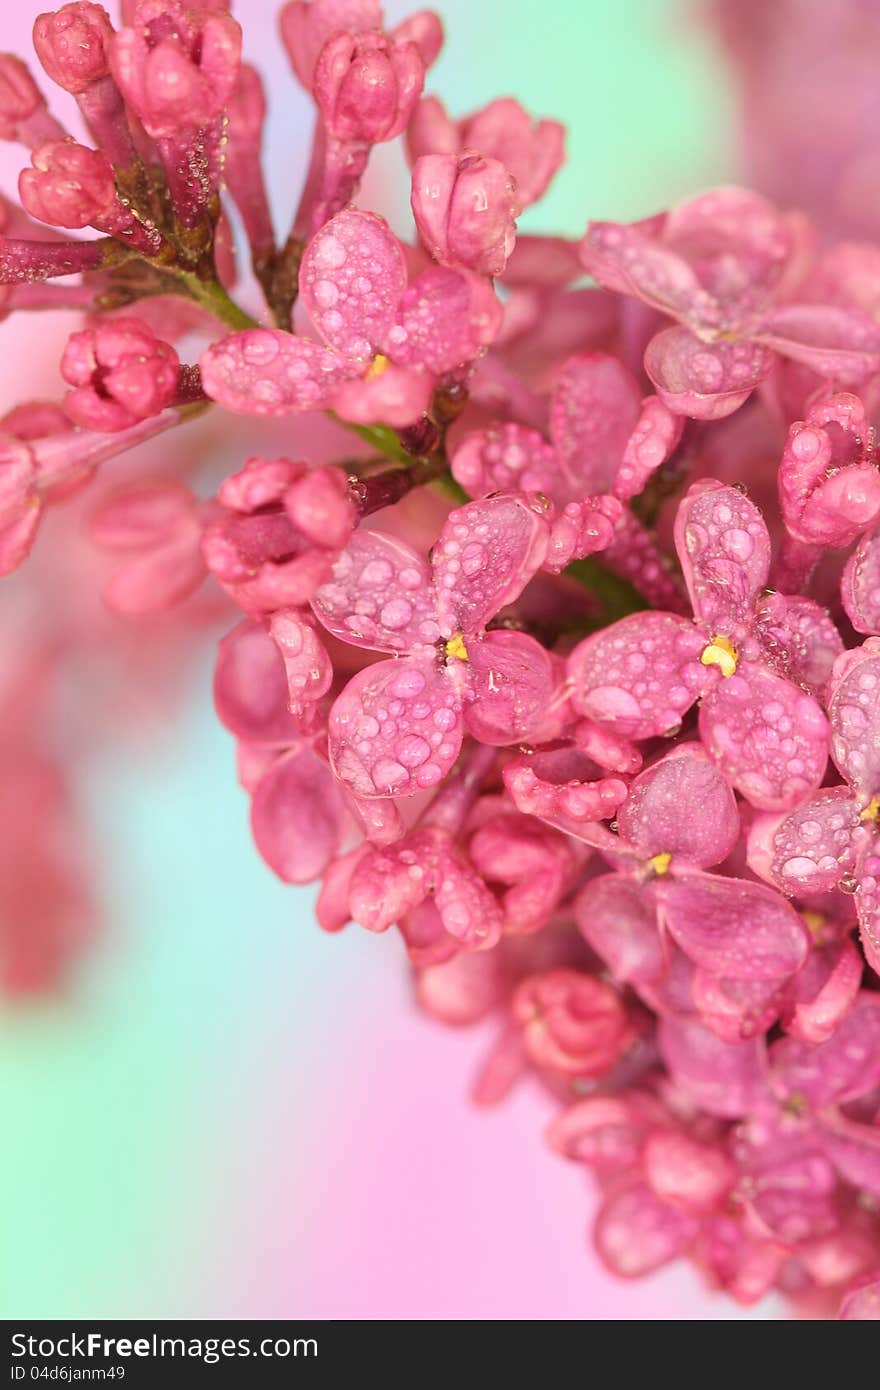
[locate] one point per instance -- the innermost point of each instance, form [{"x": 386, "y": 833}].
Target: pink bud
[
  {"x": 571, "y": 1022},
  {"x": 320, "y": 506},
  {"x": 306, "y": 25},
  {"x": 72, "y": 44},
  {"x": 829, "y": 480},
  {"x": 688, "y": 1174},
  {"x": 176, "y": 66},
  {"x": 366, "y": 86},
  {"x": 425, "y": 30},
  {"x": 121, "y": 373},
  {"x": 69, "y": 185},
  {"x": 465, "y": 208},
  {"x": 23, "y": 114}
]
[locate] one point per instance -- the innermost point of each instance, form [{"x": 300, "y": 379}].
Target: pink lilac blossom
[{"x": 542, "y": 662}]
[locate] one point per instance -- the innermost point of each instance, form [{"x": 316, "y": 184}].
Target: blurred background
[{"x": 221, "y": 1111}]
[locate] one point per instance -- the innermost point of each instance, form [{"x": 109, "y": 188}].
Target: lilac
[{"x": 465, "y": 209}]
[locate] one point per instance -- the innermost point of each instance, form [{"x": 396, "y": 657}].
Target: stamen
[
  {"x": 660, "y": 863},
  {"x": 379, "y": 364},
  {"x": 872, "y": 810},
  {"x": 456, "y": 649},
  {"x": 721, "y": 653}
]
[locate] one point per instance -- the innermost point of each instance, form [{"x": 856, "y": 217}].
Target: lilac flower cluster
[{"x": 567, "y": 667}]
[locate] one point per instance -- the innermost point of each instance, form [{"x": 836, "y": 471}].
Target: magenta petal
[
  {"x": 704, "y": 380},
  {"x": 380, "y": 595},
  {"x": 468, "y": 910},
  {"x": 842, "y": 1069},
  {"x": 681, "y": 806},
  {"x": 794, "y": 1200},
  {"x": 862, "y": 1300},
  {"x": 726, "y": 1079},
  {"x": 636, "y": 1232},
  {"x": 510, "y": 680},
  {"x": 557, "y": 786},
  {"x": 854, "y": 1149},
  {"x": 264, "y": 371},
  {"x": 484, "y": 557},
  {"x": 824, "y": 990},
  {"x": 594, "y": 411},
  {"x": 769, "y": 738},
  {"x": 809, "y": 849},
  {"x": 841, "y": 344},
  {"x": 733, "y": 928},
  {"x": 640, "y": 674},
  {"x": 351, "y": 279},
  {"x": 860, "y": 585},
  {"x": 506, "y": 458},
  {"x": 618, "y": 917},
  {"x": 250, "y": 687},
  {"x": 396, "y": 728},
  {"x": 606, "y": 1132},
  {"x": 724, "y": 549},
  {"x": 736, "y": 1009},
  {"x": 296, "y": 816},
  {"x": 444, "y": 319},
  {"x": 655, "y": 434},
  {"x": 868, "y": 910},
  {"x": 854, "y": 716}
]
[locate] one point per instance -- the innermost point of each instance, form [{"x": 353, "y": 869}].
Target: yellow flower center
[
  {"x": 721, "y": 653},
  {"x": 379, "y": 364},
  {"x": 660, "y": 863},
  {"x": 872, "y": 810},
  {"x": 456, "y": 649},
  {"x": 815, "y": 923}
]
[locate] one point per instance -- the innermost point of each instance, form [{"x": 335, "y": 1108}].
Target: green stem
[
  {"x": 212, "y": 296},
  {"x": 616, "y": 597}
]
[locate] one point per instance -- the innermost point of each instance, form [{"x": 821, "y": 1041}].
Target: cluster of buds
[{"x": 564, "y": 661}]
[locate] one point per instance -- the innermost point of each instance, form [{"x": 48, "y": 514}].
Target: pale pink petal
[
  {"x": 640, "y": 675},
  {"x": 296, "y": 816},
  {"x": 682, "y": 806},
  {"x": 655, "y": 435},
  {"x": 636, "y": 1232},
  {"x": 689, "y": 1175},
  {"x": 811, "y": 848},
  {"x": 618, "y": 917},
  {"x": 842, "y": 1069},
  {"x": 397, "y": 396},
  {"x": 156, "y": 580},
  {"x": 307, "y": 666},
  {"x": 854, "y": 715},
  {"x": 507, "y": 458},
  {"x": 396, "y": 728},
  {"x": 723, "y": 1078},
  {"x": 352, "y": 276},
  {"x": 484, "y": 557},
  {"x": 593, "y": 412},
  {"x": 840, "y": 344},
  {"x": 468, "y": 910},
  {"x": 704, "y": 380},
  {"x": 380, "y": 596},
  {"x": 605, "y": 1132},
  {"x": 250, "y": 687},
  {"x": 378, "y": 817},
  {"x": 738, "y": 242},
  {"x": 532, "y": 151},
  {"x": 768, "y": 736},
  {"x": 733, "y": 928},
  {"x": 264, "y": 371},
  {"x": 860, "y": 585},
  {"x": 510, "y": 678},
  {"x": 724, "y": 549},
  {"x": 464, "y": 989},
  {"x": 331, "y": 909},
  {"x": 629, "y": 260},
  {"x": 444, "y": 320}
]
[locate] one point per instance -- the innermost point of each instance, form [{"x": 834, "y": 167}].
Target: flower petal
[
  {"x": 683, "y": 806},
  {"x": 250, "y": 687},
  {"x": 629, "y": 259},
  {"x": 307, "y": 666},
  {"x": 841, "y": 344},
  {"x": 636, "y": 1232},
  {"x": 842, "y": 1069},
  {"x": 640, "y": 674},
  {"x": 724, "y": 549},
  {"x": 444, "y": 320},
  {"x": 809, "y": 849},
  {"x": 264, "y": 371},
  {"x": 769, "y": 738},
  {"x": 484, "y": 557},
  {"x": 862, "y": 1300},
  {"x": 854, "y": 716},
  {"x": 733, "y": 928},
  {"x": 297, "y": 816},
  {"x": 396, "y": 397},
  {"x": 799, "y": 638},
  {"x": 704, "y": 380},
  {"x": 396, "y": 728},
  {"x": 618, "y": 917},
  {"x": 380, "y": 596},
  {"x": 723, "y": 1078},
  {"x": 352, "y": 276},
  {"x": 860, "y": 585},
  {"x": 510, "y": 680},
  {"x": 507, "y": 458},
  {"x": 653, "y": 439},
  {"x": 593, "y": 412}
]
